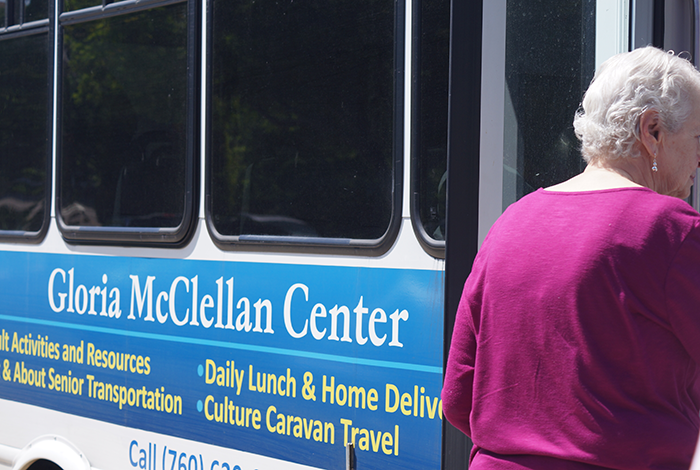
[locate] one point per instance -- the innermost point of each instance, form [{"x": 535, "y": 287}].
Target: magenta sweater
[{"x": 577, "y": 339}]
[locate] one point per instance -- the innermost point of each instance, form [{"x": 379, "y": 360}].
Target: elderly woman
[{"x": 577, "y": 340}]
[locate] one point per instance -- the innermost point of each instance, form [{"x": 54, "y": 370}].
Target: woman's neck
[{"x": 598, "y": 176}]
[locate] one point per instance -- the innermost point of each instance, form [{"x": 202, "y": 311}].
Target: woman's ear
[{"x": 650, "y": 131}]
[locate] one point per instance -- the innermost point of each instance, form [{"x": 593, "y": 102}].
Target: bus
[{"x": 234, "y": 233}]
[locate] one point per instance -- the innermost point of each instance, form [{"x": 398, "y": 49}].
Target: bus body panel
[{"x": 287, "y": 361}]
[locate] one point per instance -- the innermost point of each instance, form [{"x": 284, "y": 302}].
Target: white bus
[{"x": 225, "y": 237}]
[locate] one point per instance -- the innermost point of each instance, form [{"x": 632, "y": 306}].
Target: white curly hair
[{"x": 626, "y": 86}]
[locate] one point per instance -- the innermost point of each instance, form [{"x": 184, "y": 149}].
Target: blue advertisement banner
[{"x": 287, "y": 361}]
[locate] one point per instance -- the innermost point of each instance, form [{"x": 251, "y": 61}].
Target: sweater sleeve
[
  {"x": 459, "y": 376},
  {"x": 683, "y": 294}
]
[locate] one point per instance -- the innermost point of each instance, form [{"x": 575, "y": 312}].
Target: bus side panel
[{"x": 285, "y": 361}]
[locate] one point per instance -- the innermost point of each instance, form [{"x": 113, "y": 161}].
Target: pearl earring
[{"x": 654, "y": 168}]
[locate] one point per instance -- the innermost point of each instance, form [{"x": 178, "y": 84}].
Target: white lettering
[
  {"x": 173, "y": 288},
  {"x": 395, "y": 317},
  {"x": 61, "y": 295},
  {"x": 207, "y": 302},
  {"x": 359, "y": 311},
  {"x": 258, "y": 314},
  {"x": 141, "y": 299},
  {"x": 378, "y": 316},
  {"x": 319, "y": 311},
  {"x": 288, "y": 310}
]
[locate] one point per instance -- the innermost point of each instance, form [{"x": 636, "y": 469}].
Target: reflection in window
[
  {"x": 71, "y": 5},
  {"x": 18, "y": 12},
  {"x": 24, "y": 109},
  {"x": 430, "y": 125},
  {"x": 35, "y": 10},
  {"x": 124, "y": 120},
  {"x": 550, "y": 55},
  {"x": 302, "y": 112}
]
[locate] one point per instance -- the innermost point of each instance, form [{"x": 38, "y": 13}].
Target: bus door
[{"x": 516, "y": 81}]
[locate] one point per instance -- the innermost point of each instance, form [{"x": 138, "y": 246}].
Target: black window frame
[
  {"x": 8, "y": 33},
  {"x": 175, "y": 237},
  {"x": 430, "y": 245},
  {"x": 319, "y": 245}
]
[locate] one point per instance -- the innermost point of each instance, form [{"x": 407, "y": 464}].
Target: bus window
[
  {"x": 24, "y": 134},
  {"x": 537, "y": 61},
  {"x": 550, "y": 60},
  {"x": 3, "y": 9},
  {"x": 303, "y": 120},
  {"x": 35, "y": 10},
  {"x": 72, "y": 5},
  {"x": 429, "y": 123},
  {"x": 124, "y": 161},
  {"x": 14, "y": 8}
]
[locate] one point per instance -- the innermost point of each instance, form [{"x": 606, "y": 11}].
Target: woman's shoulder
[
  {"x": 630, "y": 209},
  {"x": 661, "y": 207},
  {"x": 623, "y": 196}
]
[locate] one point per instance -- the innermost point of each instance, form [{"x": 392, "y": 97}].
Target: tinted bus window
[
  {"x": 430, "y": 116},
  {"x": 303, "y": 118},
  {"x": 72, "y": 5},
  {"x": 24, "y": 132},
  {"x": 15, "y": 7},
  {"x": 550, "y": 60},
  {"x": 124, "y": 120},
  {"x": 3, "y": 9},
  {"x": 35, "y": 10}
]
